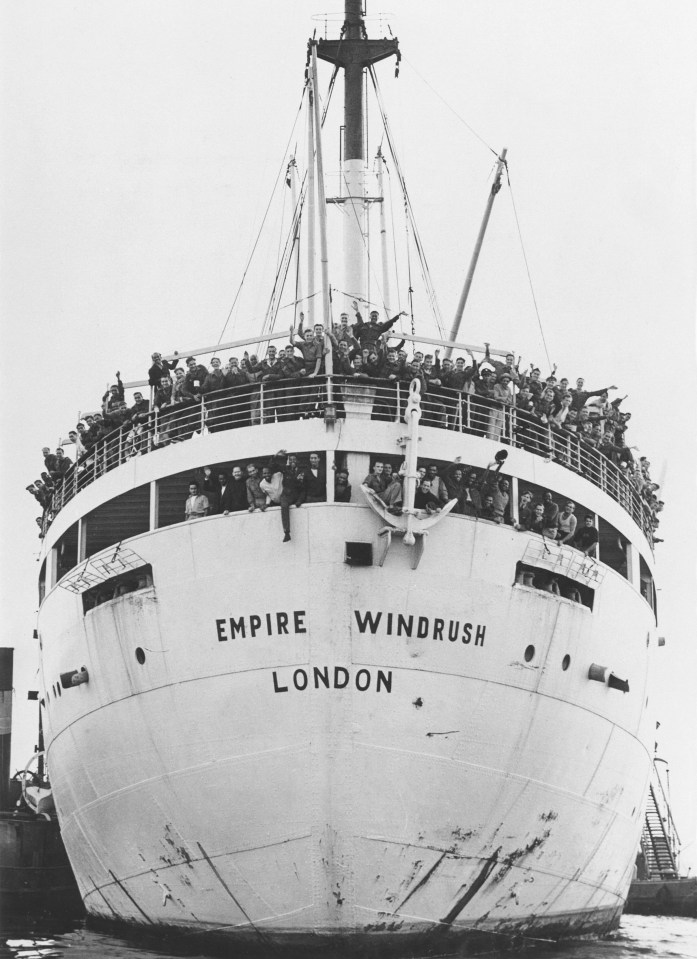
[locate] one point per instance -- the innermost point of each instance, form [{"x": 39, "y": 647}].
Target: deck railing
[{"x": 354, "y": 398}]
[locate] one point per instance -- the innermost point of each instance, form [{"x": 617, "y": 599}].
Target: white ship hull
[{"x": 250, "y": 786}]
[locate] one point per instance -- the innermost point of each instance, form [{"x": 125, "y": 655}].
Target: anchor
[{"x": 412, "y": 524}]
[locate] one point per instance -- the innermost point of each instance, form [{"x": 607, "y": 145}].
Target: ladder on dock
[{"x": 659, "y": 838}]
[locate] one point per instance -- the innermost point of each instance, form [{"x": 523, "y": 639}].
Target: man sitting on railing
[{"x": 291, "y": 491}]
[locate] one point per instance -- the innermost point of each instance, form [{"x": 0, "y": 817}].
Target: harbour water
[{"x": 648, "y": 937}]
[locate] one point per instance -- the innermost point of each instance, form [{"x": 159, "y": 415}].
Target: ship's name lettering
[
  {"x": 421, "y": 627},
  {"x": 262, "y": 624},
  {"x": 338, "y": 677}
]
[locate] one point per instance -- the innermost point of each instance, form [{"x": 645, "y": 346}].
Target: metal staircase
[{"x": 659, "y": 839}]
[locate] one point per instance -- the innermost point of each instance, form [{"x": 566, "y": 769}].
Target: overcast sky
[{"x": 140, "y": 142}]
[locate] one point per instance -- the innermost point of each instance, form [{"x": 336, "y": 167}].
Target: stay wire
[
  {"x": 425, "y": 272},
  {"x": 527, "y": 266},
  {"x": 266, "y": 213},
  {"x": 452, "y": 109}
]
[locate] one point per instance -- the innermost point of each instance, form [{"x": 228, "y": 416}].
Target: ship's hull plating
[{"x": 334, "y": 771}]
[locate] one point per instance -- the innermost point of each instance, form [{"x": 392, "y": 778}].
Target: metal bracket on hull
[{"x": 386, "y": 534}]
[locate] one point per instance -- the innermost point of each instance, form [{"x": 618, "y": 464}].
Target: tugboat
[{"x": 353, "y": 725}]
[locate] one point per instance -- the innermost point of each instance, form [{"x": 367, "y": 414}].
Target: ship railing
[{"x": 352, "y": 397}]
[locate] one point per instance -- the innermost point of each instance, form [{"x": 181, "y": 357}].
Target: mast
[
  {"x": 292, "y": 170},
  {"x": 383, "y": 233},
  {"x": 495, "y": 187},
  {"x": 354, "y": 52},
  {"x": 310, "y": 216}
]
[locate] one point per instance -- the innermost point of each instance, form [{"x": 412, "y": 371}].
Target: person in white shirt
[{"x": 197, "y": 505}]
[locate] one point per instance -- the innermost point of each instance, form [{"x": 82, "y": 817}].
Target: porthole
[
  {"x": 566, "y": 662},
  {"x": 529, "y": 653},
  {"x": 140, "y": 655}
]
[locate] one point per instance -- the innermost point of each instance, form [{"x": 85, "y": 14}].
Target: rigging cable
[
  {"x": 394, "y": 235},
  {"x": 425, "y": 272},
  {"x": 452, "y": 109},
  {"x": 284, "y": 264},
  {"x": 527, "y": 267},
  {"x": 266, "y": 213}
]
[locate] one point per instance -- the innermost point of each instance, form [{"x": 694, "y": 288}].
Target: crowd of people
[
  {"x": 577, "y": 427},
  {"x": 286, "y": 481}
]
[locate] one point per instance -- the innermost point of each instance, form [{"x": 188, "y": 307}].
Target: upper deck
[{"x": 130, "y": 484}]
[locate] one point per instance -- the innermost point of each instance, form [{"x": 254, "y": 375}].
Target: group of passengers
[
  {"x": 551, "y": 418},
  {"x": 283, "y": 481},
  {"x": 286, "y": 481}
]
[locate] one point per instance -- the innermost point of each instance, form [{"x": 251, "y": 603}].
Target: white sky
[{"x": 139, "y": 145}]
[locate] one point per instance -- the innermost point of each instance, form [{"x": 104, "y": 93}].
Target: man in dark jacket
[
  {"x": 368, "y": 334},
  {"x": 315, "y": 481},
  {"x": 160, "y": 368}
]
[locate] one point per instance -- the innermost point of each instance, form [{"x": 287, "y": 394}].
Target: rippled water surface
[{"x": 648, "y": 937}]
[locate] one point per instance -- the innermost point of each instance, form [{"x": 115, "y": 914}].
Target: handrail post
[
  {"x": 203, "y": 416},
  {"x": 261, "y": 402}
]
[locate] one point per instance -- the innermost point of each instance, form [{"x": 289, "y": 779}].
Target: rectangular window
[
  {"x": 612, "y": 548},
  {"x": 66, "y": 552},
  {"x": 122, "y": 517},
  {"x": 42, "y": 583}
]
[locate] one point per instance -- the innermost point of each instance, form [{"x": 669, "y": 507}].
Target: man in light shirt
[{"x": 197, "y": 505}]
